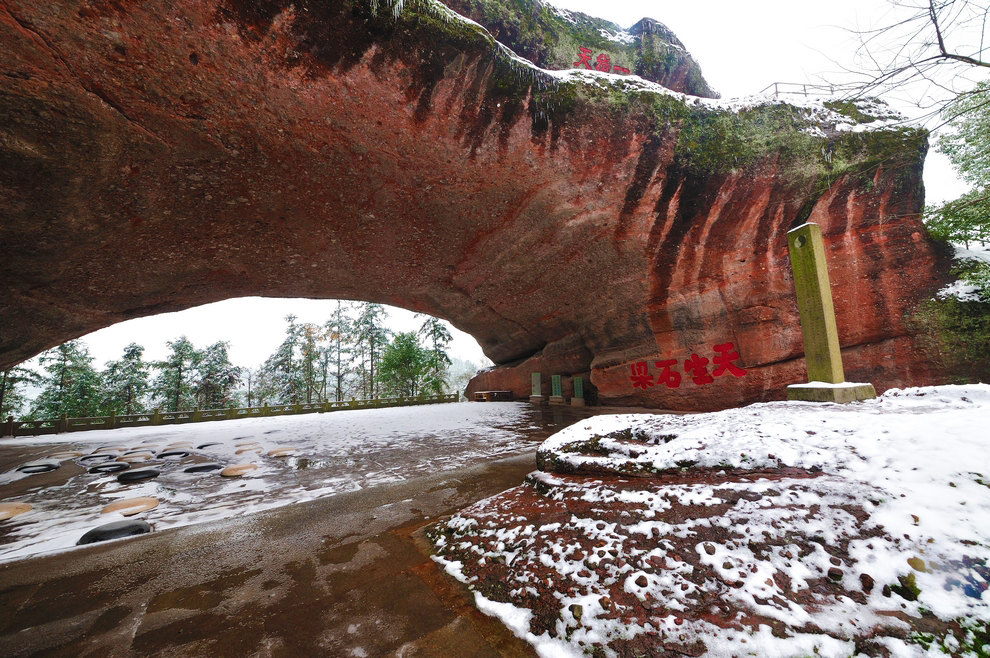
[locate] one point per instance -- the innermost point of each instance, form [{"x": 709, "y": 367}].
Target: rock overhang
[{"x": 582, "y": 219}]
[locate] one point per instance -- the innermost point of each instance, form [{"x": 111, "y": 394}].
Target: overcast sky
[{"x": 742, "y": 47}]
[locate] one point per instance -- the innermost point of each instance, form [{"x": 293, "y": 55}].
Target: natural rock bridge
[{"x": 156, "y": 156}]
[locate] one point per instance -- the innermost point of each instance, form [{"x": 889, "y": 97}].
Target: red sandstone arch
[{"x": 157, "y": 156}]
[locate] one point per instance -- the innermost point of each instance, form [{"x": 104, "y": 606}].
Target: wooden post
[{"x": 822, "y": 355}]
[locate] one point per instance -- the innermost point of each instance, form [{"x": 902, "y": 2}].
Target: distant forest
[{"x": 351, "y": 355}]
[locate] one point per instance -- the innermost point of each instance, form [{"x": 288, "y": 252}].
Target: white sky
[{"x": 742, "y": 48}]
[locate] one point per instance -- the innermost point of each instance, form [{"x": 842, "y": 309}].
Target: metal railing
[
  {"x": 13, "y": 428},
  {"x": 799, "y": 88}
]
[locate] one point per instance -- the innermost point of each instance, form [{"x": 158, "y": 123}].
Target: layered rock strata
[{"x": 156, "y": 156}]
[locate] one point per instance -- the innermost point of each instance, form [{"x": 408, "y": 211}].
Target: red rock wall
[{"x": 157, "y": 156}]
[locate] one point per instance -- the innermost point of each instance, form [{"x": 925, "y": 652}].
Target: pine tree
[
  {"x": 70, "y": 386},
  {"x": 405, "y": 366},
  {"x": 125, "y": 383},
  {"x": 434, "y": 331},
  {"x": 371, "y": 336},
  {"x": 309, "y": 361},
  {"x": 281, "y": 372},
  {"x": 338, "y": 352},
  {"x": 173, "y": 387},
  {"x": 12, "y": 382},
  {"x": 216, "y": 377}
]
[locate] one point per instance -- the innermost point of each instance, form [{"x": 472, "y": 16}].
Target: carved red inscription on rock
[
  {"x": 602, "y": 63},
  {"x": 695, "y": 366}
]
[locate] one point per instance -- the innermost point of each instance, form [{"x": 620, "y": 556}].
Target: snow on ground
[
  {"x": 332, "y": 453},
  {"x": 777, "y": 529}
]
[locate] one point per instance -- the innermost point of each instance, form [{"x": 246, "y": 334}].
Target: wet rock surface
[
  {"x": 326, "y": 577},
  {"x": 158, "y": 156}
]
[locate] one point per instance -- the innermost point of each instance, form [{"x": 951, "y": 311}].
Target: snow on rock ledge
[{"x": 800, "y": 529}]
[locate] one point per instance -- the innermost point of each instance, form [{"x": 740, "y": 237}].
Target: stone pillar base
[
  {"x": 557, "y": 399},
  {"x": 538, "y": 400},
  {"x": 577, "y": 402},
  {"x": 839, "y": 393}
]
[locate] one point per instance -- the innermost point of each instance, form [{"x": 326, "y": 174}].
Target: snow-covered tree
[
  {"x": 434, "y": 331},
  {"x": 172, "y": 389},
  {"x": 216, "y": 377},
  {"x": 12, "y": 384},
  {"x": 70, "y": 385},
  {"x": 370, "y": 336},
  {"x": 125, "y": 383}
]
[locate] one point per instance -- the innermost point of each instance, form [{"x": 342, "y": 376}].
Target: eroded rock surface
[{"x": 157, "y": 156}]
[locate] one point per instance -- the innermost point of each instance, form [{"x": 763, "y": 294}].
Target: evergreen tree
[
  {"x": 70, "y": 385},
  {"x": 967, "y": 219},
  {"x": 281, "y": 372},
  {"x": 434, "y": 331},
  {"x": 216, "y": 377},
  {"x": 12, "y": 382},
  {"x": 309, "y": 361},
  {"x": 404, "y": 366},
  {"x": 371, "y": 337},
  {"x": 125, "y": 383},
  {"x": 338, "y": 352},
  {"x": 172, "y": 389}
]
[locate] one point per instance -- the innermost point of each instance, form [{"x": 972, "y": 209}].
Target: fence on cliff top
[{"x": 12, "y": 428}]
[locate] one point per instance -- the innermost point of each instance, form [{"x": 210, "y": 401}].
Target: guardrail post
[
  {"x": 156, "y": 416},
  {"x": 62, "y": 425},
  {"x": 112, "y": 420},
  {"x": 8, "y": 427}
]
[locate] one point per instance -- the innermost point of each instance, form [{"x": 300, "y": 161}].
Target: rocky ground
[{"x": 780, "y": 529}]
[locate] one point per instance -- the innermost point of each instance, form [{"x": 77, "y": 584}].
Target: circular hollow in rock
[
  {"x": 207, "y": 445},
  {"x": 135, "y": 458},
  {"x": 203, "y": 468},
  {"x": 131, "y": 506},
  {"x": 281, "y": 452},
  {"x": 237, "y": 470},
  {"x": 173, "y": 454},
  {"x": 110, "y": 467},
  {"x": 10, "y": 510},
  {"x": 41, "y": 466},
  {"x": 69, "y": 454},
  {"x": 114, "y": 530},
  {"x": 138, "y": 475},
  {"x": 102, "y": 457}
]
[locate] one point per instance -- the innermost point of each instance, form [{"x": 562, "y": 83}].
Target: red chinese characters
[
  {"x": 602, "y": 63},
  {"x": 696, "y": 367},
  {"x": 641, "y": 377},
  {"x": 667, "y": 377},
  {"x": 584, "y": 58},
  {"x": 724, "y": 356}
]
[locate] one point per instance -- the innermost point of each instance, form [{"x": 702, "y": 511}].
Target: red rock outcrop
[{"x": 156, "y": 156}]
